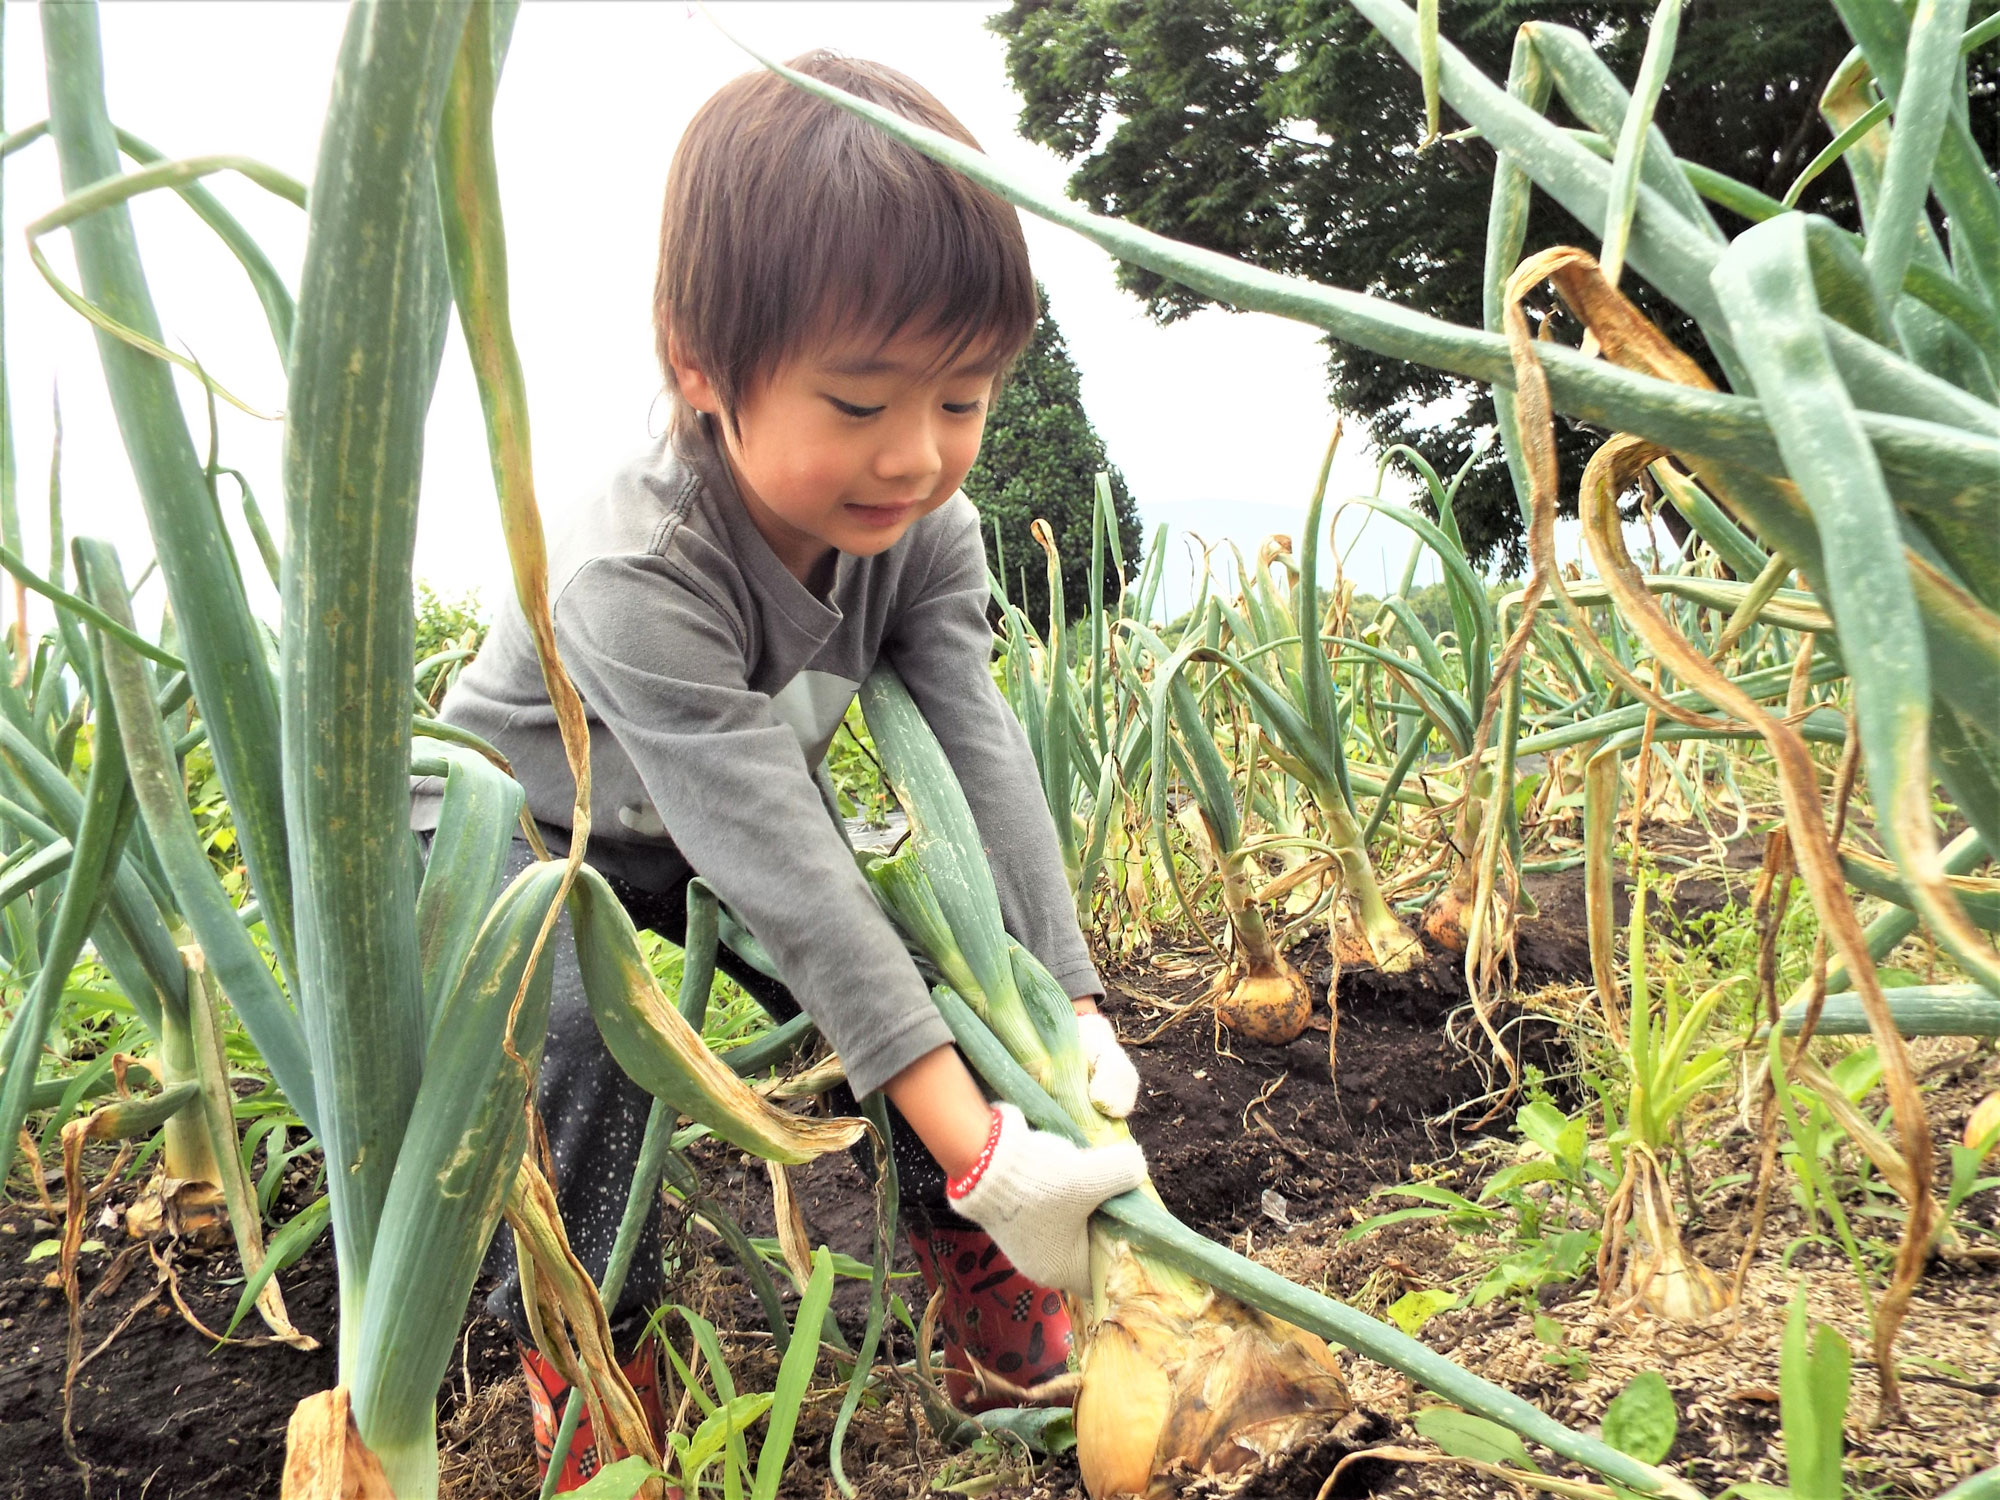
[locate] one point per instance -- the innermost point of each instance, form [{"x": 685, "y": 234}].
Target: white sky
[{"x": 1219, "y": 422}]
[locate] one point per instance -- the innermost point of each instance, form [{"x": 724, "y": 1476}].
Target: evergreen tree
[
  {"x": 1039, "y": 461},
  {"x": 1284, "y": 132}
]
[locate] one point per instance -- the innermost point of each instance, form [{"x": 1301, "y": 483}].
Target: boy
[{"x": 832, "y": 314}]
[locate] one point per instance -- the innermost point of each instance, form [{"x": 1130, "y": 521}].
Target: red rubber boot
[
  {"x": 992, "y": 1316},
  {"x": 548, "y": 1394}
]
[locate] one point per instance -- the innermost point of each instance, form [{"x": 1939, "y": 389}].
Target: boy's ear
[{"x": 695, "y": 387}]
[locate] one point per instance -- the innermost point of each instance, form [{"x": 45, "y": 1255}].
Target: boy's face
[{"x": 846, "y": 446}]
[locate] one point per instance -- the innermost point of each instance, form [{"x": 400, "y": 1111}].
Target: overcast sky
[{"x": 1219, "y": 422}]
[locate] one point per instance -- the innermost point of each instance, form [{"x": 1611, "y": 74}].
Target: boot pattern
[
  {"x": 548, "y": 1393},
  {"x": 991, "y": 1315}
]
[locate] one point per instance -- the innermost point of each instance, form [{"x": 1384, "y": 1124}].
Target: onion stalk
[
  {"x": 1171, "y": 1369},
  {"x": 1259, "y": 995}
]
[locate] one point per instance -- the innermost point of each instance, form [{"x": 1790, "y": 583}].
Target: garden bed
[{"x": 1253, "y": 1145}]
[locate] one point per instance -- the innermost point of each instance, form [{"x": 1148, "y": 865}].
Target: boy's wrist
[
  {"x": 1086, "y": 1005},
  {"x": 958, "y": 1185},
  {"x": 937, "y": 1096}
]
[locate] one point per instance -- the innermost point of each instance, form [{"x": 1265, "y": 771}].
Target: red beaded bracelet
[{"x": 958, "y": 1187}]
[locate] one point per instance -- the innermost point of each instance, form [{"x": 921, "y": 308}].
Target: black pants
[{"x": 596, "y": 1117}]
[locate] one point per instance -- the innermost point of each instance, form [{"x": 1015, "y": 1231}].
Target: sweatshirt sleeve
[
  {"x": 942, "y": 648},
  {"x": 662, "y": 666}
]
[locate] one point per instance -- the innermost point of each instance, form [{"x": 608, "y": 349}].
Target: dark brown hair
[{"x": 788, "y": 219}]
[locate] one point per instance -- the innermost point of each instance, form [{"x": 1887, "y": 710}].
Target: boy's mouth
[{"x": 883, "y": 515}]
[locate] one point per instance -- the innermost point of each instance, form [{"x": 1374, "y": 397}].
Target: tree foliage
[
  {"x": 447, "y": 621},
  {"x": 1285, "y": 132},
  {"x": 1040, "y": 460}
]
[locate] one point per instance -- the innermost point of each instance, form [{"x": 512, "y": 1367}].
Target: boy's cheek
[
  {"x": 951, "y": 478},
  {"x": 812, "y": 482}
]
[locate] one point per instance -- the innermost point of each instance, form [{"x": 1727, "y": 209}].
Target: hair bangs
[{"x": 790, "y": 223}]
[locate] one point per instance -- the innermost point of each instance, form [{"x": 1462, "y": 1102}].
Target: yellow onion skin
[
  {"x": 1985, "y": 1118},
  {"x": 1271, "y": 1008},
  {"x": 1121, "y": 1410},
  {"x": 1444, "y": 920},
  {"x": 1179, "y": 1378},
  {"x": 1679, "y": 1287},
  {"x": 1662, "y": 1278}
]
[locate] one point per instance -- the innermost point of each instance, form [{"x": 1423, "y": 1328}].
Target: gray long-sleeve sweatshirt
[{"x": 714, "y": 681}]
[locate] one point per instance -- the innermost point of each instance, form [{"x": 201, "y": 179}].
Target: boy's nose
[{"x": 910, "y": 454}]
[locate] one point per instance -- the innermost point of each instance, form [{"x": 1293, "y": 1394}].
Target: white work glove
[
  {"x": 1035, "y": 1192},
  {"x": 1114, "y": 1082}
]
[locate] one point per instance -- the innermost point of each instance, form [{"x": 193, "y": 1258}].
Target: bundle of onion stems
[{"x": 1191, "y": 1357}]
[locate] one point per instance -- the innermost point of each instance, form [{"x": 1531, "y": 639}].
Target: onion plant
[
  {"x": 1434, "y": 686},
  {"x": 1257, "y": 993},
  {"x": 1077, "y": 696},
  {"x": 1667, "y": 1069},
  {"x": 1081, "y": 693},
  {"x": 1280, "y": 665},
  {"x": 1267, "y": 694},
  {"x": 110, "y": 892}
]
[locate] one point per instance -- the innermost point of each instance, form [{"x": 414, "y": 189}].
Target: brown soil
[
  {"x": 161, "y": 1411},
  {"x": 155, "y": 1412},
  {"x": 1256, "y": 1146}
]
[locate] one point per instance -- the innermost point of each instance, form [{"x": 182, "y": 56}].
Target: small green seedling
[
  {"x": 1412, "y": 1310},
  {"x": 1814, "y": 1367},
  {"x": 1572, "y": 1362},
  {"x": 619, "y": 1482},
  {"x": 1463, "y": 1435},
  {"x": 728, "y": 1415},
  {"x": 1641, "y": 1419},
  {"x": 1640, "y": 1422}
]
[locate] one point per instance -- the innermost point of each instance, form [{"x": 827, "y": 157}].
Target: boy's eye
[
  {"x": 849, "y": 409},
  {"x": 963, "y": 408}
]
